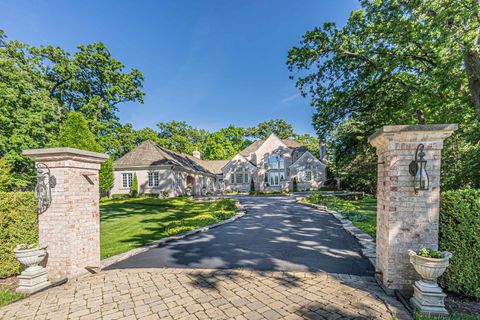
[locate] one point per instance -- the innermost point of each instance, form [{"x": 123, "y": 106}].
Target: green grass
[
  {"x": 362, "y": 213},
  {"x": 7, "y": 296},
  {"x": 452, "y": 316},
  {"x": 130, "y": 223}
]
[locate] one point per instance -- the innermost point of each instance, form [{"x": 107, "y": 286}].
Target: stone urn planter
[
  {"x": 34, "y": 277},
  {"x": 428, "y": 297}
]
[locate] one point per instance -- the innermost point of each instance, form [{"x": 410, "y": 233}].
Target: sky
[{"x": 210, "y": 63}]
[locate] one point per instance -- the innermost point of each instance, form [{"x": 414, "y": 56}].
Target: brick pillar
[
  {"x": 405, "y": 219},
  {"x": 71, "y": 225}
]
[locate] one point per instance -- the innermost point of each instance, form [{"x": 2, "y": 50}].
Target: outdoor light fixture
[{"x": 417, "y": 169}]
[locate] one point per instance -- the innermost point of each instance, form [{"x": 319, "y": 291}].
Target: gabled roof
[
  {"x": 292, "y": 144},
  {"x": 150, "y": 154}
]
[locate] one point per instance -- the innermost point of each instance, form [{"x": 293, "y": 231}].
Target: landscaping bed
[{"x": 362, "y": 212}]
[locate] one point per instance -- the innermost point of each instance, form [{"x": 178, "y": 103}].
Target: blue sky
[{"x": 208, "y": 62}]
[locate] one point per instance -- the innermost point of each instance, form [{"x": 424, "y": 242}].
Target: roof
[
  {"x": 150, "y": 154},
  {"x": 292, "y": 144},
  {"x": 214, "y": 166}
]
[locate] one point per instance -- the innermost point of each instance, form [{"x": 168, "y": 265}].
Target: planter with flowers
[{"x": 430, "y": 264}]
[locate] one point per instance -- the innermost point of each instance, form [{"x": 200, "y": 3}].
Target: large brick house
[{"x": 272, "y": 164}]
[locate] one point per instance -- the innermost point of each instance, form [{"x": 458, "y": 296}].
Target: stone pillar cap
[
  {"x": 64, "y": 153},
  {"x": 445, "y": 130}
]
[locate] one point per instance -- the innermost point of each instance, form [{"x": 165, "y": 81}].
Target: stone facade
[
  {"x": 71, "y": 225},
  {"x": 405, "y": 219},
  {"x": 296, "y": 162}
]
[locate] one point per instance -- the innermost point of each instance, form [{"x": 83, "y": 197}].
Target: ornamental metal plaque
[{"x": 43, "y": 189}]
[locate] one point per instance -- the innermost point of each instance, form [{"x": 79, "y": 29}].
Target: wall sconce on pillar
[{"x": 417, "y": 168}]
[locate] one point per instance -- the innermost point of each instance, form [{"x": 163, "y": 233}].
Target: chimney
[
  {"x": 323, "y": 149},
  {"x": 197, "y": 154}
]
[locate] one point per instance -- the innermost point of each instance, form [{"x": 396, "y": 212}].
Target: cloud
[{"x": 290, "y": 98}]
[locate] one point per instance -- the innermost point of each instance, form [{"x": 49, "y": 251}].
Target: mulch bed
[
  {"x": 9, "y": 283},
  {"x": 462, "y": 304}
]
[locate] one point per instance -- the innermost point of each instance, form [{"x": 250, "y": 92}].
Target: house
[{"x": 272, "y": 164}]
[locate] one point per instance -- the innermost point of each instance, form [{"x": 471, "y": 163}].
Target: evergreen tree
[
  {"x": 295, "y": 184},
  {"x": 134, "y": 188},
  {"x": 75, "y": 134},
  {"x": 252, "y": 186}
]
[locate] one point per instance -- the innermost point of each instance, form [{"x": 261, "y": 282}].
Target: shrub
[
  {"x": 252, "y": 185},
  {"x": 224, "y": 205},
  {"x": 317, "y": 198},
  {"x": 150, "y": 195},
  {"x": 18, "y": 225},
  {"x": 120, "y": 196},
  {"x": 134, "y": 188},
  {"x": 460, "y": 234},
  {"x": 295, "y": 184}
]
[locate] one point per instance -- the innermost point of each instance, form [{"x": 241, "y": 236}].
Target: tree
[
  {"x": 6, "y": 178},
  {"x": 218, "y": 147},
  {"x": 40, "y": 85},
  {"x": 309, "y": 141},
  {"x": 392, "y": 61},
  {"x": 236, "y": 136},
  {"x": 75, "y": 134},
  {"x": 134, "y": 187},
  {"x": 295, "y": 184},
  {"x": 264, "y": 129},
  {"x": 180, "y": 137}
]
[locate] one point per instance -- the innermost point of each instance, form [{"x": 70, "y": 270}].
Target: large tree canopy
[
  {"x": 39, "y": 86},
  {"x": 391, "y": 59},
  {"x": 394, "y": 62}
]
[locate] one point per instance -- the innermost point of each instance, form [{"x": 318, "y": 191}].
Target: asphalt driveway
[{"x": 275, "y": 234}]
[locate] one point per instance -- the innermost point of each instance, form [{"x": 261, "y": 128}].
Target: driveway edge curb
[
  {"x": 368, "y": 246},
  {"x": 240, "y": 212}
]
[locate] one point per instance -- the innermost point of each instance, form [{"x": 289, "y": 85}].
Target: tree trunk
[{"x": 472, "y": 67}]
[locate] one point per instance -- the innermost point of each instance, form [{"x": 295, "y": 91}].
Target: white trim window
[
  {"x": 127, "y": 179},
  {"x": 308, "y": 175},
  {"x": 153, "y": 179},
  {"x": 240, "y": 177},
  {"x": 275, "y": 161},
  {"x": 179, "y": 180}
]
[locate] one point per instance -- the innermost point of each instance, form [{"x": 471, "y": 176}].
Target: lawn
[
  {"x": 362, "y": 213},
  {"x": 131, "y": 223},
  {"x": 7, "y": 296}
]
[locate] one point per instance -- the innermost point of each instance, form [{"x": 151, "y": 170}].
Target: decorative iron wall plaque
[{"x": 43, "y": 189}]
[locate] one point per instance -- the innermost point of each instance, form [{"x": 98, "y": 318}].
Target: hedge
[
  {"x": 18, "y": 224},
  {"x": 460, "y": 234}
]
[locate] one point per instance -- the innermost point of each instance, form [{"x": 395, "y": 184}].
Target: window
[
  {"x": 308, "y": 175},
  {"x": 274, "y": 178},
  {"x": 153, "y": 180},
  {"x": 127, "y": 180},
  {"x": 275, "y": 161},
  {"x": 239, "y": 177}
]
